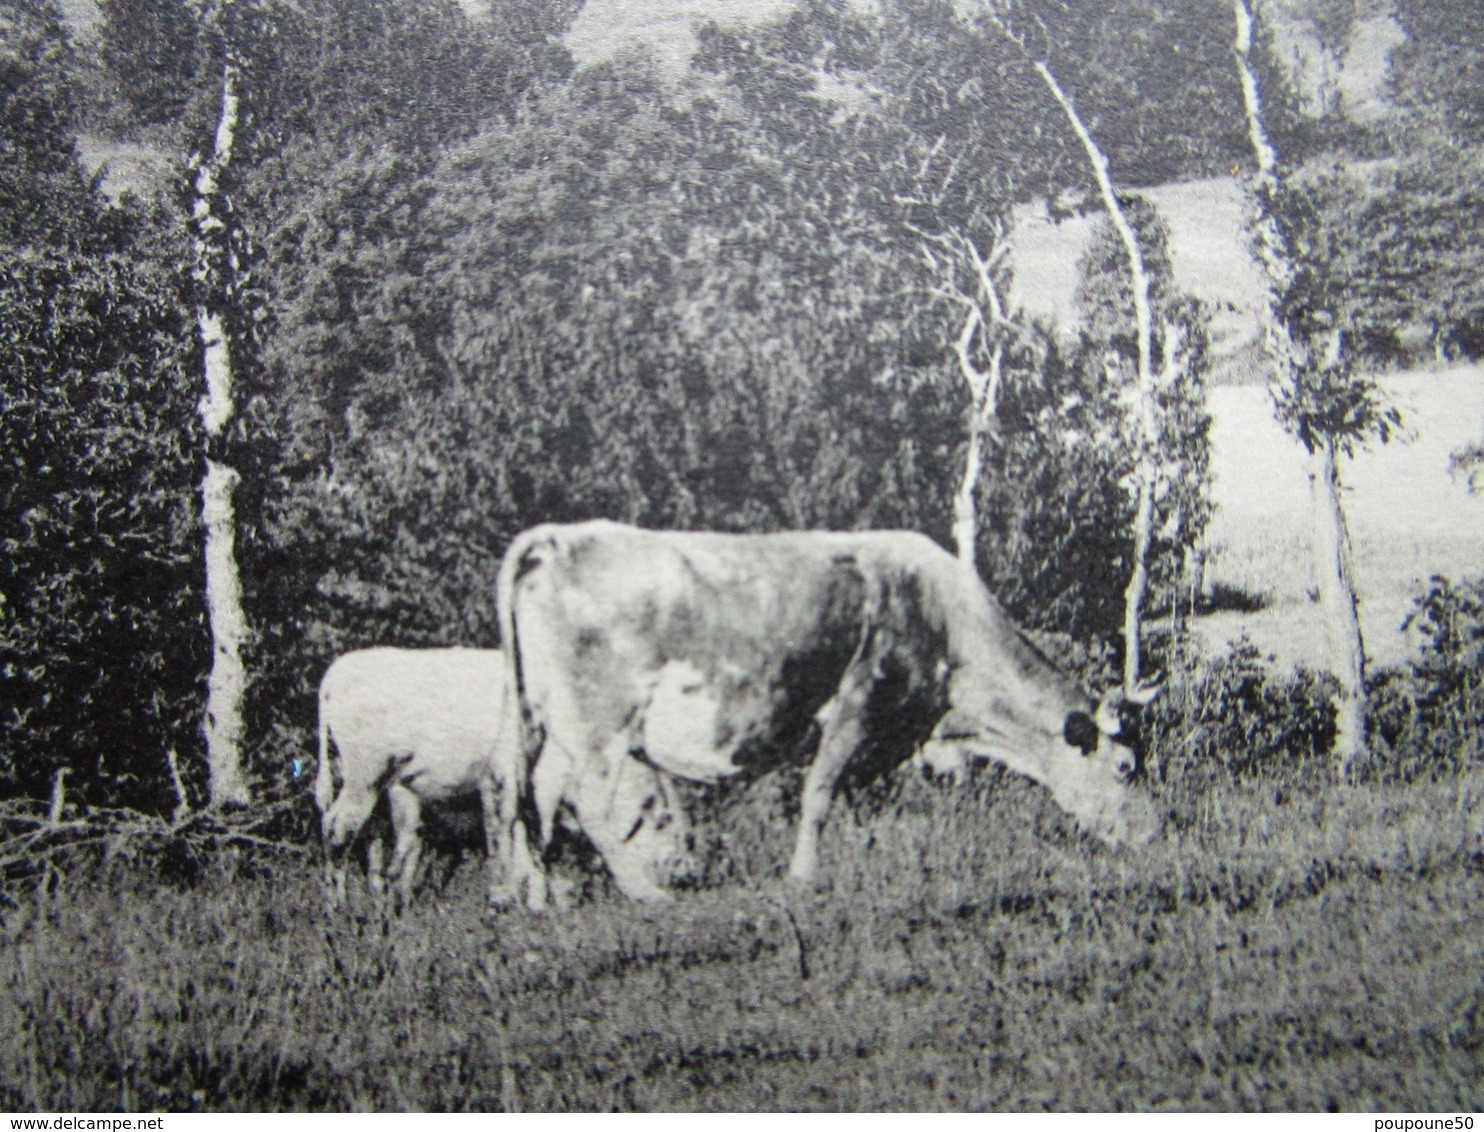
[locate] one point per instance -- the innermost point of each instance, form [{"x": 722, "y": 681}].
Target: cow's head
[
  {"x": 1083, "y": 754},
  {"x": 1093, "y": 783}
]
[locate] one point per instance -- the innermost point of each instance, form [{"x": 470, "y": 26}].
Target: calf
[{"x": 418, "y": 725}]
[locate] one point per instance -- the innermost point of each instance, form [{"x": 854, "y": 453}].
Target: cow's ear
[{"x": 1081, "y": 732}]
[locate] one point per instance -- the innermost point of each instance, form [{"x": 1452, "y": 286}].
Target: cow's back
[
  {"x": 721, "y": 648},
  {"x": 436, "y": 712}
]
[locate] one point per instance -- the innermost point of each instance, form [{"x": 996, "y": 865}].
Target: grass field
[
  {"x": 1408, "y": 517},
  {"x": 1315, "y": 952}
]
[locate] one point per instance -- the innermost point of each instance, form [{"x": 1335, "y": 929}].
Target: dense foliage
[
  {"x": 101, "y": 642},
  {"x": 647, "y": 314},
  {"x": 1107, "y": 348},
  {"x": 1438, "y": 73},
  {"x": 1427, "y": 713}
]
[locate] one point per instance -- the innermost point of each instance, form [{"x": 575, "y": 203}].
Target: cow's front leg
[
  {"x": 618, "y": 808},
  {"x": 841, "y": 732}
]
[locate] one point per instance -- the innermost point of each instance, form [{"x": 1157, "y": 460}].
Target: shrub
[
  {"x": 1425, "y": 715},
  {"x": 1240, "y": 718},
  {"x": 101, "y": 642}
]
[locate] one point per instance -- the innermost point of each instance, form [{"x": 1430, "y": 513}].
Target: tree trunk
[
  {"x": 226, "y": 684},
  {"x": 1262, "y": 146},
  {"x": 1138, "y": 582},
  {"x": 1336, "y": 586},
  {"x": 982, "y": 414},
  {"x": 965, "y": 517},
  {"x": 1133, "y": 595},
  {"x": 1331, "y": 543}
]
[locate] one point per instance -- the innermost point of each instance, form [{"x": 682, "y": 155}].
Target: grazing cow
[
  {"x": 418, "y": 725},
  {"x": 711, "y": 656}
]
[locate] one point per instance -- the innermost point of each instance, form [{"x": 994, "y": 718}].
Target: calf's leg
[{"x": 406, "y": 811}]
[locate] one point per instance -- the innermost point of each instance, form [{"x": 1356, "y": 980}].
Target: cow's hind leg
[
  {"x": 514, "y": 868},
  {"x": 841, "y": 733},
  {"x": 501, "y": 892}
]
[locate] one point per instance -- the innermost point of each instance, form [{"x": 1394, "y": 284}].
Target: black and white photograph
[{"x": 889, "y": 556}]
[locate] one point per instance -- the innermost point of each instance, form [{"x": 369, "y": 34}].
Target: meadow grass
[
  {"x": 1408, "y": 517},
  {"x": 972, "y": 952}
]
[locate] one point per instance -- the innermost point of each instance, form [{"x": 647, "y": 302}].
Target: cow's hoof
[
  {"x": 538, "y": 895},
  {"x": 502, "y": 898}
]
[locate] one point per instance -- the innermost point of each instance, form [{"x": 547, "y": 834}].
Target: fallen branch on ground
[{"x": 37, "y": 842}]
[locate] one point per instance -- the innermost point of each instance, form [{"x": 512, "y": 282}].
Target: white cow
[
  {"x": 420, "y": 725},
  {"x": 639, "y": 654}
]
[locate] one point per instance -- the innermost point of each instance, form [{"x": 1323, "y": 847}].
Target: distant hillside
[
  {"x": 129, "y": 167},
  {"x": 665, "y": 28}
]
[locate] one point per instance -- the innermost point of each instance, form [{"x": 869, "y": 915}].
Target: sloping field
[
  {"x": 129, "y": 167},
  {"x": 605, "y": 28},
  {"x": 1210, "y": 255},
  {"x": 1408, "y": 517}
]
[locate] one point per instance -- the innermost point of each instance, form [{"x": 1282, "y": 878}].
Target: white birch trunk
[
  {"x": 1334, "y": 580},
  {"x": 227, "y": 682},
  {"x": 1331, "y": 542},
  {"x": 986, "y": 320},
  {"x": 981, "y": 426},
  {"x": 965, "y": 518},
  {"x": 1138, "y": 583},
  {"x": 984, "y": 404}
]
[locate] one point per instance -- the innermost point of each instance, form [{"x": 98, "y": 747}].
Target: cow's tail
[
  {"x": 324, "y": 775},
  {"x": 512, "y": 760},
  {"x": 324, "y": 798},
  {"x": 512, "y": 777}
]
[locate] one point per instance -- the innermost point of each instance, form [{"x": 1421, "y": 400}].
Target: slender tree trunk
[
  {"x": 1333, "y": 575},
  {"x": 226, "y": 684},
  {"x": 982, "y": 415},
  {"x": 1331, "y": 542},
  {"x": 1138, "y": 583},
  {"x": 965, "y": 517},
  {"x": 1257, "y": 133},
  {"x": 985, "y": 326}
]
